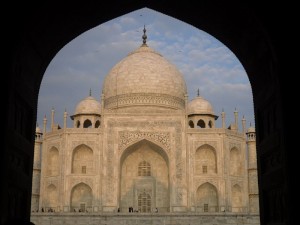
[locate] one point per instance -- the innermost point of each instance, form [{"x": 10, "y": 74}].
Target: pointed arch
[
  {"x": 161, "y": 140},
  {"x": 81, "y": 198},
  {"x": 201, "y": 124},
  {"x": 191, "y": 124},
  {"x": 236, "y": 198},
  {"x": 205, "y": 160},
  {"x": 97, "y": 124},
  {"x": 236, "y": 164},
  {"x": 144, "y": 167},
  {"x": 82, "y": 160},
  {"x": 207, "y": 198},
  {"x": 53, "y": 162},
  {"x": 87, "y": 123}
]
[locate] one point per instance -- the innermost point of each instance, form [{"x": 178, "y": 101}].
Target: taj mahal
[{"x": 144, "y": 146}]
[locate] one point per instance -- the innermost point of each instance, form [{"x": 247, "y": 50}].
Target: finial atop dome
[
  {"x": 144, "y": 36},
  {"x": 198, "y": 92},
  {"x": 90, "y": 92}
]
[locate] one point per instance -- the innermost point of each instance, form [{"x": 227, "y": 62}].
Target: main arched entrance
[{"x": 144, "y": 178}]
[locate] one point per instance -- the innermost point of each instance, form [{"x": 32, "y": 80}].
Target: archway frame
[{"x": 248, "y": 28}]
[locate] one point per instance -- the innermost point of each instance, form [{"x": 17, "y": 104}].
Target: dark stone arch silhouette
[{"x": 33, "y": 34}]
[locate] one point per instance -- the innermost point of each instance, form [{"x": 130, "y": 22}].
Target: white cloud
[{"x": 127, "y": 20}]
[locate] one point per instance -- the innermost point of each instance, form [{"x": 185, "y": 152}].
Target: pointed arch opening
[
  {"x": 87, "y": 124},
  {"x": 201, "y": 124},
  {"x": 144, "y": 178},
  {"x": 205, "y": 160},
  {"x": 97, "y": 124},
  {"x": 207, "y": 198},
  {"x": 81, "y": 198},
  {"x": 191, "y": 124},
  {"x": 82, "y": 160}
]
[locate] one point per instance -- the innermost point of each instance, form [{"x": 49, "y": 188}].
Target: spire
[
  {"x": 144, "y": 36},
  {"x": 198, "y": 92},
  {"x": 65, "y": 118},
  {"x": 236, "y": 119},
  {"x": 44, "y": 124},
  {"x": 52, "y": 118},
  {"x": 244, "y": 124},
  {"x": 223, "y": 119}
]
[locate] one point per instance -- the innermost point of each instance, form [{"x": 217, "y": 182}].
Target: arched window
[
  {"x": 144, "y": 169},
  {"x": 210, "y": 124},
  {"x": 87, "y": 124},
  {"x": 201, "y": 124},
  {"x": 77, "y": 123},
  {"x": 191, "y": 124},
  {"x": 144, "y": 202},
  {"x": 97, "y": 124}
]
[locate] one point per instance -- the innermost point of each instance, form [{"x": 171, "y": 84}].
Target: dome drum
[{"x": 141, "y": 99}]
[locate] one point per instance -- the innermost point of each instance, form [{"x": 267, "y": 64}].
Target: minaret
[
  {"x": 223, "y": 119},
  {"x": 36, "y": 174},
  {"x": 65, "y": 119},
  {"x": 52, "y": 118},
  {"x": 252, "y": 170},
  {"x": 236, "y": 120},
  {"x": 44, "y": 124}
]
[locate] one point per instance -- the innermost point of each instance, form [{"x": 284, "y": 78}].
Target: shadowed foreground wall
[{"x": 259, "y": 35}]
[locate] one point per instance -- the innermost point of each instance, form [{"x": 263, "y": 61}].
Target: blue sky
[{"x": 204, "y": 61}]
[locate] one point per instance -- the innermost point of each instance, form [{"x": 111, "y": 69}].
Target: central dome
[{"x": 144, "y": 77}]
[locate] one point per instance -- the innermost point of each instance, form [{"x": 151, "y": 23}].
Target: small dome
[
  {"x": 89, "y": 105},
  {"x": 200, "y": 106},
  {"x": 38, "y": 129},
  {"x": 251, "y": 130}
]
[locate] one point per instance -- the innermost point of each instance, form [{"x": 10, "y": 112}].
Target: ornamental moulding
[{"x": 144, "y": 99}]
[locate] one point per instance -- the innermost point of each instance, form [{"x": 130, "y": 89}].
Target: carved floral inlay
[
  {"x": 128, "y": 137},
  {"x": 142, "y": 99}
]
